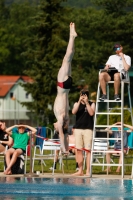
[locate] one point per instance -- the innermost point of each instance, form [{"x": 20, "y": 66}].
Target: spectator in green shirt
[{"x": 20, "y": 142}]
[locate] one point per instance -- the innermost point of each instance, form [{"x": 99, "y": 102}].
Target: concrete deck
[{"x": 60, "y": 175}]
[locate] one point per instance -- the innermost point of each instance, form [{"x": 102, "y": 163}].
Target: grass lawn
[{"x": 70, "y": 166}]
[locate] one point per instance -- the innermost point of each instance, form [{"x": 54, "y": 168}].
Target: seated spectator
[
  {"x": 119, "y": 63},
  {"x": 71, "y": 140},
  {"x": 4, "y": 138},
  {"x": 117, "y": 144},
  {"x": 19, "y": 147}
]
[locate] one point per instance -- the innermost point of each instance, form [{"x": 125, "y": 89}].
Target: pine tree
[
  {"x": 116, "y": 7},
  {"x": 44, "y": 57}
]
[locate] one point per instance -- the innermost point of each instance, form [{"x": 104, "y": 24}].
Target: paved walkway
[{"x": 60, "y": 175}]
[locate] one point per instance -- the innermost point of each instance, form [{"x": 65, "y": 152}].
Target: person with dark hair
[
  {"x": 64, "y": 83},
  {"x": 116, "y": 64},
  {"x": 84, "y": 110},
  {"x": 4, "y": 138},
  {"x": 19, "y": 147}
]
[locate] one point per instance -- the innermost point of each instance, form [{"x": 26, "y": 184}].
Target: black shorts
[{"x": 111, "y": 73}]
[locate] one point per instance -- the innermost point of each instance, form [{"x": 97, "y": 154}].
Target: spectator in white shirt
[{"x": 116, "y": 63}]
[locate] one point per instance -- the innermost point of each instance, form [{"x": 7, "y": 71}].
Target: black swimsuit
[{"x": 66, "y": 84}]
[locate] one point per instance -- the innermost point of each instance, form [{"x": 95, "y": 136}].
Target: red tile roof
[{"x": 7, "y": 82}]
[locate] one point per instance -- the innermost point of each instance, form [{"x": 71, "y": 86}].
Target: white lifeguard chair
[{"x": 101, "y": 144}]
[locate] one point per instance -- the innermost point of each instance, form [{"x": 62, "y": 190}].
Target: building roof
[{"x": 7, "y": 82}]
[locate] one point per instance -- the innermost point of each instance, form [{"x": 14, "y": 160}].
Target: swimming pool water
[{"x": 65, "y": 189}]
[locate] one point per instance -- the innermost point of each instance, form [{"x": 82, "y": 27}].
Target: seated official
[
  {"x": 117, "y": 144},
  {"x": 121, "y": 63}
]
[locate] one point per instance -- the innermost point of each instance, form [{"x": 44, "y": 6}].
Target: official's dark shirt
[{"x": 83, "y": 118}]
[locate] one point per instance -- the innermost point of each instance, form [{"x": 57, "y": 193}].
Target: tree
[
  {"x": 9, "y": 2},
  {"x": 14, "y": 22},
  {"x": 98, "y": 30},
  {"x": 77, "y": 3},
  {"x": 44, "y": 57},
  {"x": 114, "y": 7}
]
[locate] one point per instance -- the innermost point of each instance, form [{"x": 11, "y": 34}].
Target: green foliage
[
  {"x": 44, "y": 55},
  {"x": 99, "y": 33},
  {"x": 78, "y": 3},
  {"x": 117, "y": 7},
  {"x": 9, "y": 2},
  {"x": 102, "y": 119},
  {"x": 14, "y": 22}
]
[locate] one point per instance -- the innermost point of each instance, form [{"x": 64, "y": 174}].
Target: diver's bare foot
[
  {"x": 118, "y": 170},
  {"x": 72, "y": 30},
  {"x": 78, "y": 174}
]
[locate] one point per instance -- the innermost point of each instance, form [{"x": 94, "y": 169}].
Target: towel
[{"x": 41, "y": 131}]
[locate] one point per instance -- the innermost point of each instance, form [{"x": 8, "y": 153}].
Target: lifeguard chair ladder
[{"x": 101, "y": 144}]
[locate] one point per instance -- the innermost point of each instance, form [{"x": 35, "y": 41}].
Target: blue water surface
[{"x": 65, "y": 188}]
